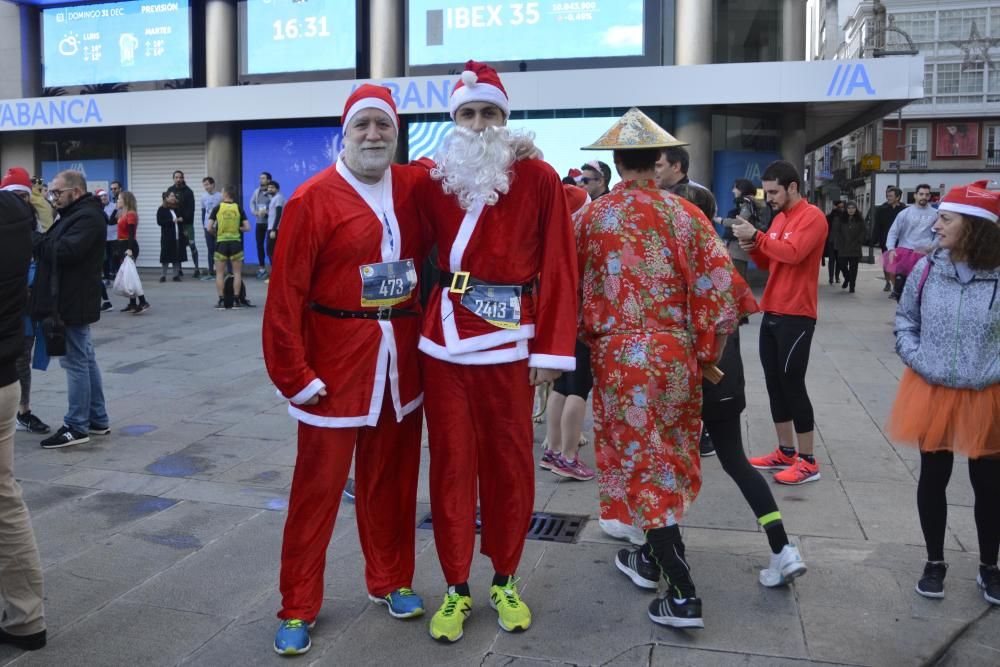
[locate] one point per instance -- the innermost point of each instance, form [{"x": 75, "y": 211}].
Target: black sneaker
[
  {"x": 349, "y": 490},
  {"x": 30, "y": 423},
  {"x": 989, "y": 581},
  {"x": 31, "y": 642},
  {"x": 106, "y": 306},
  {"x": 197, "y": 274},
  {"x": 65, "y": 437},
  {"x": 706, "y": 446},
  {"x": 141, "y": 308},
  {"x": 221, "y": 305},
  {"x": 128, "y": 309},
  {"x": 246, "y": 303},
  {"x": 677, "y": 613},
  {"x": 931, "y": 585},
  {"x": 163, "y": 279},
  {"x": 177, "y": 279},
  {"x": 97, "y": 429},
  {"x": 636, "y": 565}
]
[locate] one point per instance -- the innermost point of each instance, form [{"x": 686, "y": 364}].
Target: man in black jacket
[
  {"x": 68, "y": 289},
  {"x": 21, "y": 608},
  {"x": 185, "y": 219}
]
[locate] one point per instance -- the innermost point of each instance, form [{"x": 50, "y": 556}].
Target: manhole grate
[{"x": 545, "y": 526}]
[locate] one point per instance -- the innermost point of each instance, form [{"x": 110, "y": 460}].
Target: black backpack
[{"x": 227, "y": 291}]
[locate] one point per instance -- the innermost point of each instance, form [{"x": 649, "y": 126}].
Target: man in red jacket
[
  {"x": 340, "y": 343},
  {"x": 502, "y": 319},
  {"x": 791, "y": 250}
]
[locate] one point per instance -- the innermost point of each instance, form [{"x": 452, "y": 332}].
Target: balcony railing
[
  {"x": 993, "y": 158},
  {"x": 918, "y": 159}
]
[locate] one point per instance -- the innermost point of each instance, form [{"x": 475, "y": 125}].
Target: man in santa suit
[
  {"x": 502, "y": 319},
  {"x": 340, "y": 343}
]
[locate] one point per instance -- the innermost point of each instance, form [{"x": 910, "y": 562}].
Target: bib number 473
[{"x": 391, "y": 287}]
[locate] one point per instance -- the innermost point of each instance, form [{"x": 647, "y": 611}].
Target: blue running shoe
[
  {"x": 292, "y": 637},
  {"x": 402, "y": 603}
]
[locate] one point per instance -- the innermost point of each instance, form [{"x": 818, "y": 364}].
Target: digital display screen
[
  {"x": 116, "y": 42},
  {"x": 291, "y": 155},
  {"x": 558, "y": 138},
  {"x": 300, "y": 35},
  {"x": 453, "y": 31}
]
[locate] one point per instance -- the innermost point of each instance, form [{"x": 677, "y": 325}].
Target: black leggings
[
  {"x": 784, "y": 353},
  {"x": 261, "y": 233},
  {"x": 932, "y": 503},
  {"x": 849, "y": 266},
  {"x": 726, "y": 437},
  {"x": 832, "y": 266}
]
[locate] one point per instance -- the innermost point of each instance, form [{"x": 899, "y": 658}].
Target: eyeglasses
[{"x": 57, "y": 193}]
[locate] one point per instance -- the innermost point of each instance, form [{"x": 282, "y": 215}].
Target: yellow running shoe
[
  {"x": 512, "y": 614},
  {"x": 446, "y": 624}
]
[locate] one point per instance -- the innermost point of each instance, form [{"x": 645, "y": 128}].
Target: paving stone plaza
[{"x": 160, "y": 542}]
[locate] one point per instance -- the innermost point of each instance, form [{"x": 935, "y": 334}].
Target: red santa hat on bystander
[
  {"x": 973, "y": 199},
  {"x": 479, "y": 83},
  {"x": 369, "y": 96},
  {"x": 16, "y": 180}
]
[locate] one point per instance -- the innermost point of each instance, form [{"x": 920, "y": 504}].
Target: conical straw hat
[{"x": 634, "y": 130}]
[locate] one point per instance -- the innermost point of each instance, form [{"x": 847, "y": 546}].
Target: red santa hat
[
  {"x": 973, "y": 199},
  {"x": 100, "y": 193},
  {"x": 575, "y": 174},
  {"x": 16, "y": 180},
  {"x": 369, "y": 96},
  {"x": 479, "y": 83}
]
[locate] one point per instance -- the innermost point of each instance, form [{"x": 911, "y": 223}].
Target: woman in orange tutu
[{"x": 948, "y": 335}]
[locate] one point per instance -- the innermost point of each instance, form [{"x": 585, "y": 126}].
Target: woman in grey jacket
[{"x": 948, "y": 335}]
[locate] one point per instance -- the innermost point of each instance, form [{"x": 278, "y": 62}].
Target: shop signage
[{"x": 44, "y": 113}]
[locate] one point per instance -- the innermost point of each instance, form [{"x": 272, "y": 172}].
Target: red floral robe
[{"x": 658, "y": 285}]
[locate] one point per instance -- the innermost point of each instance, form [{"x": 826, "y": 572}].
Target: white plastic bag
[{"x": 127, "y": 281}]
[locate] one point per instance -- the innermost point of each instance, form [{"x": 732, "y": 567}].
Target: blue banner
[{"x": 291, "y": 156}]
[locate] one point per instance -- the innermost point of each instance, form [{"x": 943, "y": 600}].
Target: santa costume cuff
[
  {"x": 552, "y": 362},
  {"x": 311, "y": 390}
]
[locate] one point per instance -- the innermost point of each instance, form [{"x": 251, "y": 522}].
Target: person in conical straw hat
[{"x": 659, "y": 301}]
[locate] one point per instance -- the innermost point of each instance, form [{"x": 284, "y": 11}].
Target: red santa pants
[
  {"x": 479, "y": 429},
  {"x": 385, "y": 484}
]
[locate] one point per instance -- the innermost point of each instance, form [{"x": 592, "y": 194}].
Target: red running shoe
[
  {"x": 800, "y": 473},
  {"x": 776, "y": 460}
]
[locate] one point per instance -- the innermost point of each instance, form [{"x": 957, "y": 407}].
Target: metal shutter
[{"x": 150, "y": 170}]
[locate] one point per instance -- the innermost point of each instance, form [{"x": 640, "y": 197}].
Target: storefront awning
[{"x": 836, "y": 95}]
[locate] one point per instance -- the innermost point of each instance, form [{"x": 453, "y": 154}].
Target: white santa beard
[{"x": 476, "y": 166}]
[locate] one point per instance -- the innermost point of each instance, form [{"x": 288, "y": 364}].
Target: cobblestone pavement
[{"x": 160, "y": 542}]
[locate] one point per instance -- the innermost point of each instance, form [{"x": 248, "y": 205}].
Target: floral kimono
[{"x": 658, "y": 285}]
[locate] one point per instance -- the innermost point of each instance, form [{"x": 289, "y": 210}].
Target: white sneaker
[
  {"x": 621, "y": 531},
  {"x": 785, "y": 566}
]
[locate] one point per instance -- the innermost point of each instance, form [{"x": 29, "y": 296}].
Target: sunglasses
[
  {"x": 585, "y": 180},
  {"x": 37, "y": 181}
]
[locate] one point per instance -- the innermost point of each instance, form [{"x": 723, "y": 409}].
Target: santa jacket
[
  {"x": 330, "y": 227},
  {"x": 526, "y": 236}
]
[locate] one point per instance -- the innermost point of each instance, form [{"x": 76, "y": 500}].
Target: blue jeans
[{"x": 83, "y": 378}]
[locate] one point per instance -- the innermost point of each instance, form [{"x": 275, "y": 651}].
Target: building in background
[
  {"x": 951, "y": 135},
  {"x": 134, "y": 89}
]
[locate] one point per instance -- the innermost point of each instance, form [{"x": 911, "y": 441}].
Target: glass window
[
  {"x": 948, "y": 75},
  {"x": 957, "y": 24},
  {"x": 919, "y": 26},
  {"x": 747, "y": 31},
  {"x": 995, "y": 22},
  {"x": 917, "y": 140}
]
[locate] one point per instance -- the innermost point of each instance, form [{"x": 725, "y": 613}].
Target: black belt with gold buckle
[
  {"x": 460, "y": 281},
  {"x": 382, "y": 314}
]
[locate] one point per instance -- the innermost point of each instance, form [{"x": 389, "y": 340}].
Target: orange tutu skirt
[{"x": 936, "y": 418}]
